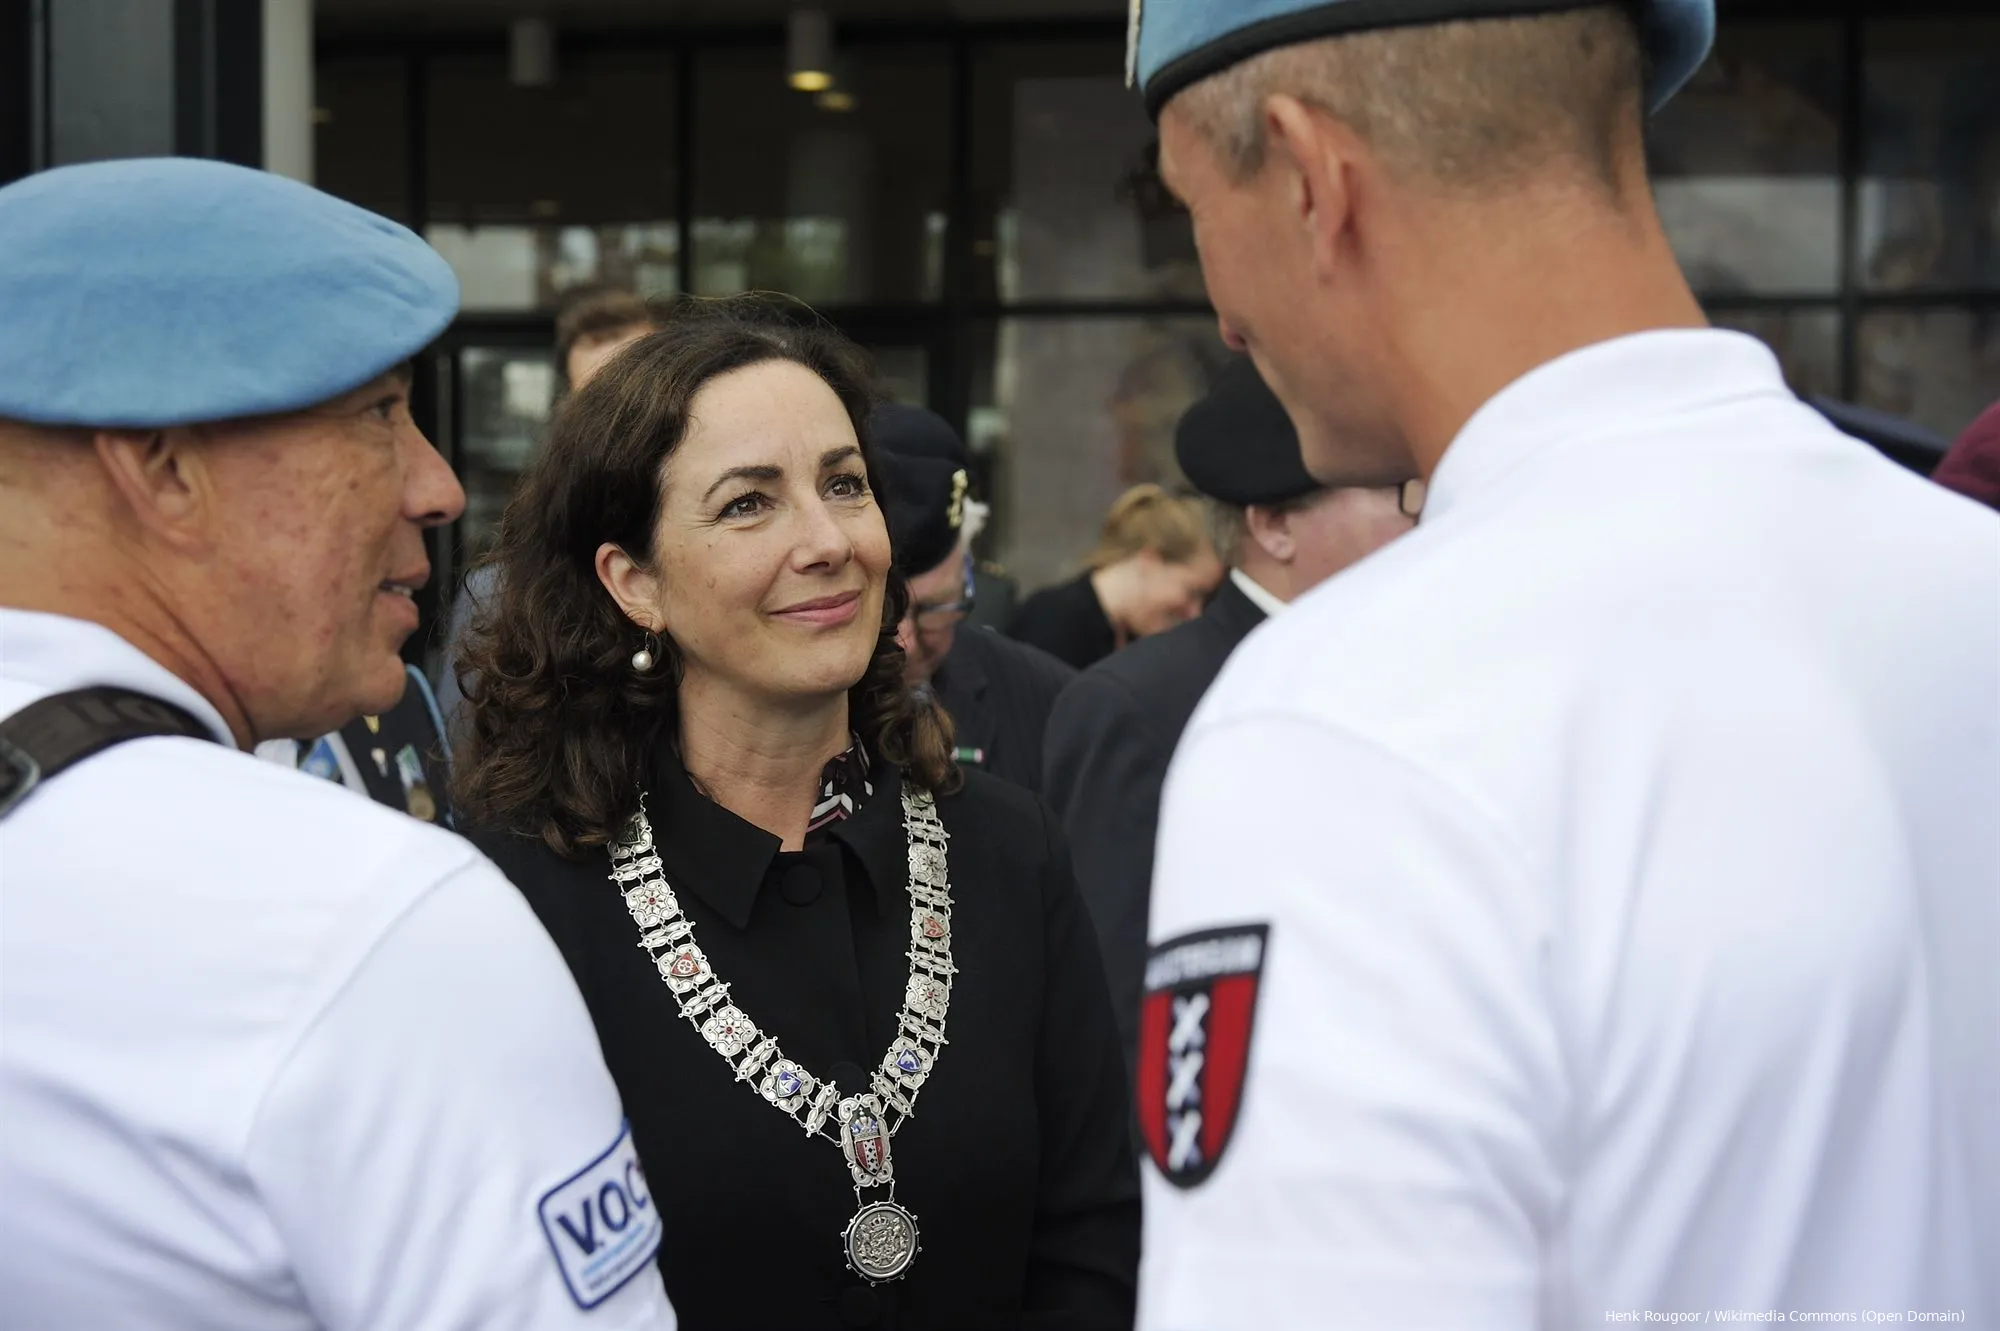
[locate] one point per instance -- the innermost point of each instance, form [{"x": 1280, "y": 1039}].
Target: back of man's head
[
  {"x": 1267, "y": 517},
  {"x": 1476, "y": 104},
  {"x": 1398, "y": 221}
]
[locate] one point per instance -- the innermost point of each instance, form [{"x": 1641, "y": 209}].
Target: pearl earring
[{"x": 642, "y": 660}]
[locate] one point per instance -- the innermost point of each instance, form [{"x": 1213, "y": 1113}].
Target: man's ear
[
  {"x": 635, "y": 588},
  {"x": 1313, "y": 154},
  {"x": 164, "y": 478},
  {"x": 1271, "y": 529}
]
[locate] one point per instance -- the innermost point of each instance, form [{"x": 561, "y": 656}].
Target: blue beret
[
  {"x": 168, "y": 290},
  {"x": 1238, "y": 445},
  {"x": 1175, "y": 43}
]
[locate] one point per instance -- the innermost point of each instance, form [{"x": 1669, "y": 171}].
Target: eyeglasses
[
  {"x": 1410, "y": 499},
  {"x": 944, "y": 614},
  {"x": 1409, "y": 494}
]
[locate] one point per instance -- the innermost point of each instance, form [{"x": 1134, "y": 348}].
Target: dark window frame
[{"x": 947, "y": 327}]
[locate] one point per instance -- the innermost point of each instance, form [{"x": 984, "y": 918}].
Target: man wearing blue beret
[
  {"x": 274, "y": 1056},
  {"x": 1585, "y": 909}
]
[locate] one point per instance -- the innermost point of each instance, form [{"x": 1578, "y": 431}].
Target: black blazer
[
  {"x": 999, "y": 693},
  {"x": 1017, "y": 1162},
  {"x": 1068, "y": 622},
  {"x": 399, "y": 753},
  {"x": 1110, "y": 738}
]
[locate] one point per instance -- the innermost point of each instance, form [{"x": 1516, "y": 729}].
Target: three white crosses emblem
[{"x": 1185, "y": 1057}]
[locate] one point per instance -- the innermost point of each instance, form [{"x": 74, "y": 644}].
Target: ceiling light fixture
[{"x": 809, "y": 50}]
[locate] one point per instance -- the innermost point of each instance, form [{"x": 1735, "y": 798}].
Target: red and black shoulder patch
[{"x": 1194, "y": 1045}]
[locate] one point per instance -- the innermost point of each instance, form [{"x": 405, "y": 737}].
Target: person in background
[
  {"x": 998, "y": 692},
  {"x": 399, "y": 757},
  {"x": 1153, "y": 568},
  {"x": 593, "y": 324},
  {"x": 846, "y": 986},
  {"x": 1584, "y": 908},
  {"x": 1972, "y": 466},
  {"x": 995, "y": 593},
  {"x": 273, "y": 1055},
  {"x": 1113, "y": 730}
]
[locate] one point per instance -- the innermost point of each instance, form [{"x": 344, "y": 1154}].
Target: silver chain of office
[{"x": 881, "y": 1240}]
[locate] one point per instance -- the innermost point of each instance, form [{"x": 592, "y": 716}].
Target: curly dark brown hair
[{"x": 562, "y": 729}]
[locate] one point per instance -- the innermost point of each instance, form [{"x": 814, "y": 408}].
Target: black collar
[
  {"x": 723, "y": 859},
  {"x": 875, "y": 834}
]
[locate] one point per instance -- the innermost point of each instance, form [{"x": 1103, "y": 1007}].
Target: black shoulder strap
[{"x": 46, "y": 737}]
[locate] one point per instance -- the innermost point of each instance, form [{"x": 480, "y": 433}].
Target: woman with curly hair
[{"x": 847, "y": 991}]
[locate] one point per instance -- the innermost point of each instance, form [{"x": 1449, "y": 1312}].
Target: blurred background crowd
[{"x": 963, "y": 186}]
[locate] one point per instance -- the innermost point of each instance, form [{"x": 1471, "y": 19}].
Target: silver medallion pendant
[{"x": 881, "y": 1241}]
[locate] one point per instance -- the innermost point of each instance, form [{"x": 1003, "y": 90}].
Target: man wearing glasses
[
  {"x": 1112, "y": 732},
  {"x": 997, "y": 691}
]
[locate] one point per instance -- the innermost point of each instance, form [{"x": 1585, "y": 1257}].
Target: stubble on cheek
[
  {"x": 290, "y": 610},
  {"x": 331, "y": 520}
]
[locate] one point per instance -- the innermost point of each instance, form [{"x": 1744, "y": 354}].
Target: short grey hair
[
  {"x": 1229, "y": 524},
  {"x": 1228, "y": 528},
  {"x": 1469, "y": 103}
]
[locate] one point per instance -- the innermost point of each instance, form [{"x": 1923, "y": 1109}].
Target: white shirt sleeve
[
  {"x": 1397, "y": 1158},
  {"x": 445, "y": 1150}
]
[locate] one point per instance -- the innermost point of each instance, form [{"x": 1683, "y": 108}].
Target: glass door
[
  {"x": 487, "y": 398},
  {"x": 504, "y": 397}
]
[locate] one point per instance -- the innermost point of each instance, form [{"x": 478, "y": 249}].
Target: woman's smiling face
[{"x": 770, "y": 556}]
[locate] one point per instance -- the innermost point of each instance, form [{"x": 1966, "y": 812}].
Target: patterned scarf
[{"x": 843, "y": 786}]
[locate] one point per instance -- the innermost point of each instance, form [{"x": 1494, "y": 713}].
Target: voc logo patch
[
  {"x": 602, "y": 1223},
  {"x": 1194, "y": 1045}
]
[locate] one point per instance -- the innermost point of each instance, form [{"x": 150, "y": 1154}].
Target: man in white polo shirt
[
  {"x": 270, "y": 1056},
  {"x": 1586, "y": 910}
]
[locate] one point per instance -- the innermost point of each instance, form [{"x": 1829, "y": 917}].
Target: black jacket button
[
  {"x": 801, "y": 884},
  {"x": 860, "y": 1306}
]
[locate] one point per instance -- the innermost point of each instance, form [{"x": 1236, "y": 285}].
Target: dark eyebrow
[{"x": 766, "y": 473}]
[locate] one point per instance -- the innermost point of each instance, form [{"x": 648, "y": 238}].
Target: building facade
[{"x": 971, "y": 199}]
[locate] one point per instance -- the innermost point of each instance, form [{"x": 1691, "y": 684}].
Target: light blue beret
[
  {"x": 1175, "y": 43},
  {"x": 168, "y": 290}
]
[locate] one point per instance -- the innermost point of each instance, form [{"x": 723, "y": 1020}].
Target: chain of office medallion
[{"x": 754, "y": 1057}]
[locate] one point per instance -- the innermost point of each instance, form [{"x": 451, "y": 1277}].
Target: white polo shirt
[
  {"x": 1604, "y": 880},
  {"x": 275, "y": 1057}
]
